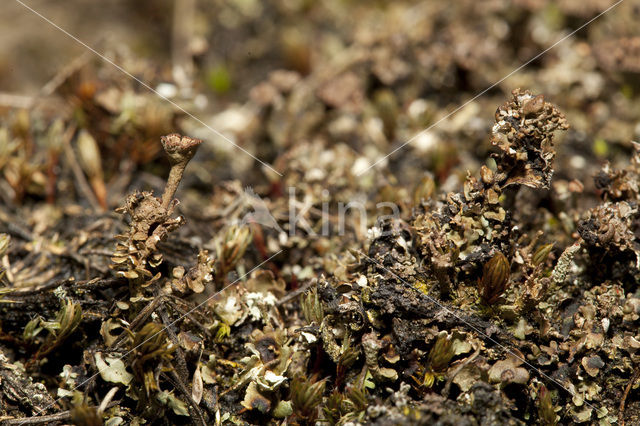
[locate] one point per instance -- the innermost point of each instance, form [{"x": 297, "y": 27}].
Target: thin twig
[
  {"x": 139, "y": 319},
  {"x": 186, "y": 314},
  {"x": 624, "y": 396},
  {"x": 86, "y": 285},
  {"x": 63, "y": 74},
  {"x": 447, "y": 386},
  {"x": 177, "y": 382},
  {"x": 15, "y": 227},
  {"x": 295, "y": 293},
  {"x": 180, "y": 359},
  {"x": 65, "y": 415},
  {"x": 50, "y": 418}
]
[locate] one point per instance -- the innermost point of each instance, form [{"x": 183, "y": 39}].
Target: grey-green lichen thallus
[{"x": 180, "y": 150}]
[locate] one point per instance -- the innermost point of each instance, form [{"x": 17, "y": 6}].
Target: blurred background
[{"x": 358, "y": 77}]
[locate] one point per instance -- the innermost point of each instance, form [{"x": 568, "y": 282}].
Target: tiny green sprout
[
  {"x": 356, "y": 403},
  {"x": 439, "y": 358},
  {"x": 306, "y": 397},
  {"x": 32, "y": 329},
  {"x": 180, "y": 150},
  {"x": 334, "y": 408},
  {"x": 150, "y": 351},
  {"x": 348, "y": 353},
  {"x": 540, "y": 256},
  {"x": 224, "y": 331},
  {"x": 546, "y": 410},
  {"x": 495, "y": 278},
  {"x": 312, "y": 308},
  {"x": 67, "y": 320},
  {"x": 232, "y": 247}
]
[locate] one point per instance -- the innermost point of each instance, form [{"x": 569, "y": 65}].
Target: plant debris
[{"x": 310, "y": 266}]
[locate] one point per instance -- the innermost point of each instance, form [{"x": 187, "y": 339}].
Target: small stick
[
  {"x": 139, "y": 319},
  {"x": 447, "y": 386},
  {"x": 85, "y": 285},
  {"x": 624, "y": 396},
  {"x": 64, "y": 74},
  {"x": 175, "y": 380},
  {"x": 58, "y": 417},
  {"x": 181, "y": 362},
  {"x": 185, "y": 313},
  {"x": 36, "y": 420},
  {"x": 293, "y": 294}
]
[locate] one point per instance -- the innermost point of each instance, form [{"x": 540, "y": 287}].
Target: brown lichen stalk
[{"x": 180, "y": 150}]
